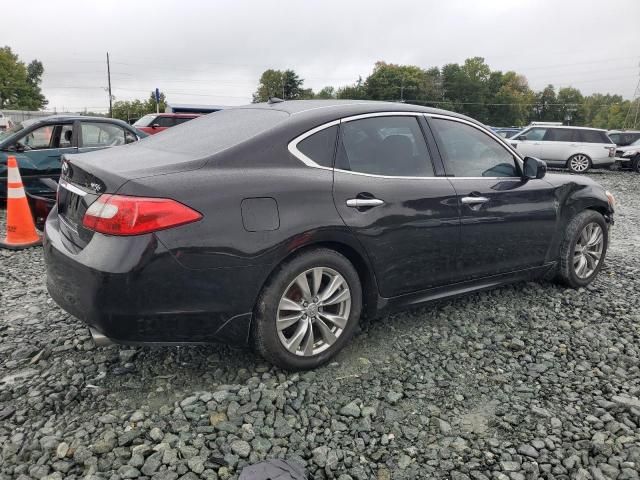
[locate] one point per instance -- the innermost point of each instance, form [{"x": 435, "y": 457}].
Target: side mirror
[
  {"x": 19, "y": 147},
  {"x": 155, "y": 125},
  {"x": 521, "y": 137},
  {"x": 534, "y": 168}
]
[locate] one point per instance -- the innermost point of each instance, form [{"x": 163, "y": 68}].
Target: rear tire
[
  {"x": 308, "y": 310},
  {"x": 583, "y": 249},
  {"x": 579, "y": 163}
]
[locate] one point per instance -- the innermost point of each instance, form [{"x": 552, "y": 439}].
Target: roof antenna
[{"x": 273, "y": 100}]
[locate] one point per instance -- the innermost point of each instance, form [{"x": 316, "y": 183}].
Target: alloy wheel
[
  {"x": 579, "y": 163},
  {"x": 313, "y": 311},
  {"x": 588, "y": 250}
]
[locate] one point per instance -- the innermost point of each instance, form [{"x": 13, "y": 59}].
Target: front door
[
  {"x": 39, "y": 154},
  {"x": 530, "y": 142},
  {"x": 386, "y": 190},
  {"x": 507, "y": 223}
]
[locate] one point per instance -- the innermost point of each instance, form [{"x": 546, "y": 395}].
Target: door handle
[
  {"x": 474, "y": 200},
  {"x": 364, "y": 202}
]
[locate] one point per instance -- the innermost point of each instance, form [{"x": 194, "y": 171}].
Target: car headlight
[
  {"x": 630, "y": 153},
  {"x": 611, "y": 199}
]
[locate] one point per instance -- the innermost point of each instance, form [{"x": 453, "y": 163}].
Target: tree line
[
  {"x": 20, "y": 83},
  {"x": 472, "y": 88}
]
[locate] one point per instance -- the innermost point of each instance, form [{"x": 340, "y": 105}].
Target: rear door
[
  {"x": 507, "y": 223},
  {"x": 559, "y": 144},
  {"x": 396, "y": 201}
]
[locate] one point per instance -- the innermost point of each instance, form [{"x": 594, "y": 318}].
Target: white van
[{"x": 576, "y": 148}]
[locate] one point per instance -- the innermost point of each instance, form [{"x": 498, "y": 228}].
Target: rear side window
[
  {"x": 561, "y": 135},
  {"x": 593, "y": 136},
  {"x": 102, "y": 134},
  {"x": 320, "y": 146},
  {"x": 389, "y": 146}
]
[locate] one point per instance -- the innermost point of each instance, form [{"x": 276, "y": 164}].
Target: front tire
[
  {"x": 308, "y": 310},
  {"x": 579, "y": 163},
  {"x": 635, "y": 164},
  {"x": 583, "y": 249}
]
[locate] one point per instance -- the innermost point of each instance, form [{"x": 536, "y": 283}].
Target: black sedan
[{"x": 281, "y": 224}]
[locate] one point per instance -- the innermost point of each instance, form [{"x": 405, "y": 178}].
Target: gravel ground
[{"x": 523, "y": 382}]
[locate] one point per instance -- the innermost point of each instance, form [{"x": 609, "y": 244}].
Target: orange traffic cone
[{"x": 21, "y": 231}]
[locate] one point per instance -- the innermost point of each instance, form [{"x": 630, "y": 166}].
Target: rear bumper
[{"x": 132, "y": 290}]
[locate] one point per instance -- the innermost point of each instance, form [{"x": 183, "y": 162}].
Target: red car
[{"x": 157, "y": 122}]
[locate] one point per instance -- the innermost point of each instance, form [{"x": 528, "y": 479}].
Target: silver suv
[{"x": 576, "y": 148}]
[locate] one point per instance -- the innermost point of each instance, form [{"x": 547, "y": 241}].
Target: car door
[
  {"x": 529, "y": 142},
  {"x": 507, "y": 223},
  {"x": 388, "y": 192},
  {"x": 39, "y": 153},
  {"x": 558, "y": 144}
]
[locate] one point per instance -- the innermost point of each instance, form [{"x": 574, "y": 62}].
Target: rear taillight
[{"x": 123, "y": 215}]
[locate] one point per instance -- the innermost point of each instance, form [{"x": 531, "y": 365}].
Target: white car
[
  {"x": 630, "y": 155},
  {"x": 576, "y": 148}
]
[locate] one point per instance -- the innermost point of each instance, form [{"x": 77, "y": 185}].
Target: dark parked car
[
  {"x": 158, "y": 122},
  {"x": 38, "y": 145},
  {"x": 280, "y": 224}
]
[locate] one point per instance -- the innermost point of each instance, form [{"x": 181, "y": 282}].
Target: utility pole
[
  {"x": 635, "y": 102},
  {"x": 109, "y": 80}
]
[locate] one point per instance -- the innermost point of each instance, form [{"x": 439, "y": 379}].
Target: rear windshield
[{"x": 215, "y": 132}]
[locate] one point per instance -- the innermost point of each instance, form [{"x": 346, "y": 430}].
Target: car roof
[
  {"x": 623, "y": 131},
  {"x": 310, "y": 109},
  {"x": 59, "y": 118},
  {"x": 185, "y": 114},
  {"x": 568, "y": 126}
]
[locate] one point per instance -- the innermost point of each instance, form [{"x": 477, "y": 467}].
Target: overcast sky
[{"x": 213, "y": 52}]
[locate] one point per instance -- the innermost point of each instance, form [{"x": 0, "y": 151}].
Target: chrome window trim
[
  {"x": 293, "y": 149},
  {"x": 73, "y": 189}
]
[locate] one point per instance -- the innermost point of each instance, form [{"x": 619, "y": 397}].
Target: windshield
[
  {"x": 145, "y": 121},
  {"x": 636, "y": 143}
]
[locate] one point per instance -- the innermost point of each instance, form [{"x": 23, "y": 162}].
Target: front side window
[
  {"x": 320, "y": 146},
  {"x": 39, "y": 139},
  {"x": 469, "y": 152},
  {"x": 389, "y": 146},
  {"x": 560, "y": 135},
  {"x": 102, "y": 135},
  {"x": 535, "y": 134}
]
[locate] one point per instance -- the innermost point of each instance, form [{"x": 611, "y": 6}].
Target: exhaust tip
[{"x": 99, "y": 339}]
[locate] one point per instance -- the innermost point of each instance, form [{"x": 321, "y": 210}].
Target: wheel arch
[
  {"x": 566, "y": 164},
  {"x": 354, "y": 254}
]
